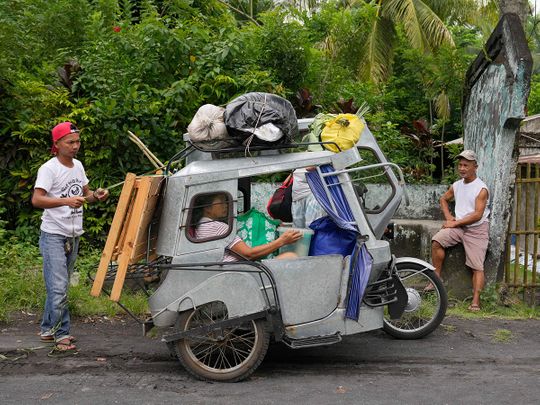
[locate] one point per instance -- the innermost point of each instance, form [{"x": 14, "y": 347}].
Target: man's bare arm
[
  {"x": 445, "y": 208},
  {"x": 41, "y": 200}
]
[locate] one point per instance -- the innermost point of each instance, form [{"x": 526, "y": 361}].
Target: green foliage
[
  {"x": 281, "y": 46},
  {"x": 22, "y": 286},
  {"x": 534, "y": 96},
  {"x": 148, "y": 77},
  {"x": 116, "y": 65}
]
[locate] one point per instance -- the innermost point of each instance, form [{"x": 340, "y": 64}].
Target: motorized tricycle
[{"x": 219, "y": 317}]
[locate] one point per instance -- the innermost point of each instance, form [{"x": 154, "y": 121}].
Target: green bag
[{"x": 256, "y": 229}]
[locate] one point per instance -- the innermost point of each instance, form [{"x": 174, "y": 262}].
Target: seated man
[
  {"x": 214, "y": 208},
  {"x": 469, "y": 226}
]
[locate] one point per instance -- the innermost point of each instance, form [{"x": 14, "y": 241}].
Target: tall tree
[
  {"x": 519, "y": 7},
  {"x": 423, "y": 26}
]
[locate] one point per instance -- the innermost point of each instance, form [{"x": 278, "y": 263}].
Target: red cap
[{"x": 61, "y": 130}]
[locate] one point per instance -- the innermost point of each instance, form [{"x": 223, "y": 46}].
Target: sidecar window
[{"x": 210, "y": 217}]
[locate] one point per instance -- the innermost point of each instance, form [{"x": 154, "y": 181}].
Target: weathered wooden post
[{"x": 497, "y": 86}]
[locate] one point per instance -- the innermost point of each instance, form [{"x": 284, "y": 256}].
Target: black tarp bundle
[{"x": 261, "y": 119}]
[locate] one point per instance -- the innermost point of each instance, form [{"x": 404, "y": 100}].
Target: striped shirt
[{"x": 209, "y": 228}]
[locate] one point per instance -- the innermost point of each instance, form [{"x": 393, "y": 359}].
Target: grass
[
  {"x": 22, "y": 287},
  {"x": 502, "y": 336},
  {"x": 492, "y": 307}
]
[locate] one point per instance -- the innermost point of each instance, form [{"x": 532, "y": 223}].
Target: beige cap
[{"x": 468, "y": 154}]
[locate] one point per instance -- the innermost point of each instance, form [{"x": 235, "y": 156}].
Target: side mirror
[{"x": 389, "y": 231}]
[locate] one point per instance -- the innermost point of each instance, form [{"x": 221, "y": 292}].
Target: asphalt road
[{"x": 463, "y": 362}]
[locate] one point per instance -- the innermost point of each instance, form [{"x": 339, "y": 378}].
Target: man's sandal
[
  {"x": 474, "y": 308},
  {"x": 46, "y": 338},
  {"x": 63, "y": 348},
  {"x": 50, "y": 338},
  {"x": 429, "y": 288}
]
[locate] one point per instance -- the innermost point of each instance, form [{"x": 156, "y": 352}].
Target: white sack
[{"x": 207, "y": 124}]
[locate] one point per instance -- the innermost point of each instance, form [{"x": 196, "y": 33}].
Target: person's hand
[
  {"x": 290, "y": 236},
  {"x": 75, "y": 202},
  {"x": 450, "y": 224},
  {"x": 101, "y": 194},
  {"x": 450, "y": 218}
]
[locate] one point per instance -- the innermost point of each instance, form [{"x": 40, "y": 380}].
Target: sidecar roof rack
[{"x": 199, "y": 151}]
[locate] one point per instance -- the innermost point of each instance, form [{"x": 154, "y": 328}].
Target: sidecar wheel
[
  {"x": 426, "y": 306},
  {"x": 230, "y": 355}
]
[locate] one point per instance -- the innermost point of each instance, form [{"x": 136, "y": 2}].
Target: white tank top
[{"x": 465, "y": 196}]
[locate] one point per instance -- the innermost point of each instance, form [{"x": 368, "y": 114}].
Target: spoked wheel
[
  {"x": 229, "y": 354},
  {"x": 426, "y": 305}
]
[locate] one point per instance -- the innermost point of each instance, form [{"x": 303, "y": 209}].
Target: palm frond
[
  {"x": 442, "y": 106},
  {"x": 454, "y": 10},
  {"x": 404, "y": 12},
  {"x": 433, "y": 28},
  {"x": 487, "y": 18},
  {"x": 378, "y": 51}
]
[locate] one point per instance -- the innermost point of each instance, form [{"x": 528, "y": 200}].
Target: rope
[{"x": 250, "y": 138}]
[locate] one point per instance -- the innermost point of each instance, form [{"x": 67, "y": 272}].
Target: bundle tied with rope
[{"x": 256, "y": 119}]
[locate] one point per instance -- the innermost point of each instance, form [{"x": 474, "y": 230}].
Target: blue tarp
[{"x": 361, "y": 261}]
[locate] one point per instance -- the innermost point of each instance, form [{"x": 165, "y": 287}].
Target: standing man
[
  {"x": 61, "y": 189},
  {"x": 469, "y": 226}
]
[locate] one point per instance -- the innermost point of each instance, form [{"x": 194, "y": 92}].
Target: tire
[
  {"x": 228, "y": 356},
  {"x": 425, "y": 310}
]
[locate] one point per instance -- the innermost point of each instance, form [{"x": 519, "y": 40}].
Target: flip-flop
[
  {"x": 55, "y": 352},
  {"x": 429, "y": 288},
  {"x": 50, "y": 338},
  {"x": 69, "y": 350},
  {"x": 474, "y": 308}
]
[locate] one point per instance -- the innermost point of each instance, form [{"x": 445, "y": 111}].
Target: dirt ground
[{"x": 463, "y": 361}]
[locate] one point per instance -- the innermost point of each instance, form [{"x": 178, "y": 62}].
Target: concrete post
[{"x": 496, "y": 89}]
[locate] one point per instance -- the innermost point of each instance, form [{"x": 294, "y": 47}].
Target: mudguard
[
  {"x": 414, "y": 260},
  {"x": 240, "y": 292}
]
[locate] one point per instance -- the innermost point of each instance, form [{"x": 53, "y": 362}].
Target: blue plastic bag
[{"x": 330, "y": 239}]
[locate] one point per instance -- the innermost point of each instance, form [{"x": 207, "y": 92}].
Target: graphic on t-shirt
[{"x": 72, "y": 189}]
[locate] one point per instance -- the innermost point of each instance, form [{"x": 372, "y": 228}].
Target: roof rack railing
[{"x": 191, "y": 147}]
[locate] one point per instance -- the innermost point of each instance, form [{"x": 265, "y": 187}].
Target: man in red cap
[{"x": 61, "y": 189}]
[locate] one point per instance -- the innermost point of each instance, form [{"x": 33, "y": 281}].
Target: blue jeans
[{"x": 58, "y": 265}]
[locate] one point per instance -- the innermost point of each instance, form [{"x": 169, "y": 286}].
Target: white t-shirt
[
  {"x": 465, "y": 196},
  {"x": 60, "y": 181}
]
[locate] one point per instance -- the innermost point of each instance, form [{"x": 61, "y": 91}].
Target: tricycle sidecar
[{"x": 219, "y": 316}]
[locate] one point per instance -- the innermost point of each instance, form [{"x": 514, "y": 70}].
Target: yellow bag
[{"x": 344, "y": 130}]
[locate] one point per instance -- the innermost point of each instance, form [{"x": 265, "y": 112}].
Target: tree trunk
[{"x": 519, "y": 7}]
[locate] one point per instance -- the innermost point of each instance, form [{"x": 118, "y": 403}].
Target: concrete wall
[{"x": 423, "y": 199}]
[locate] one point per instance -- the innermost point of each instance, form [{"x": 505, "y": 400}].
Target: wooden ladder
[{"x": 127, "y": 242}]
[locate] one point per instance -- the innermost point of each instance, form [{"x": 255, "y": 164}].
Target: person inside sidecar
[{"x": 212, "y": 210}]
